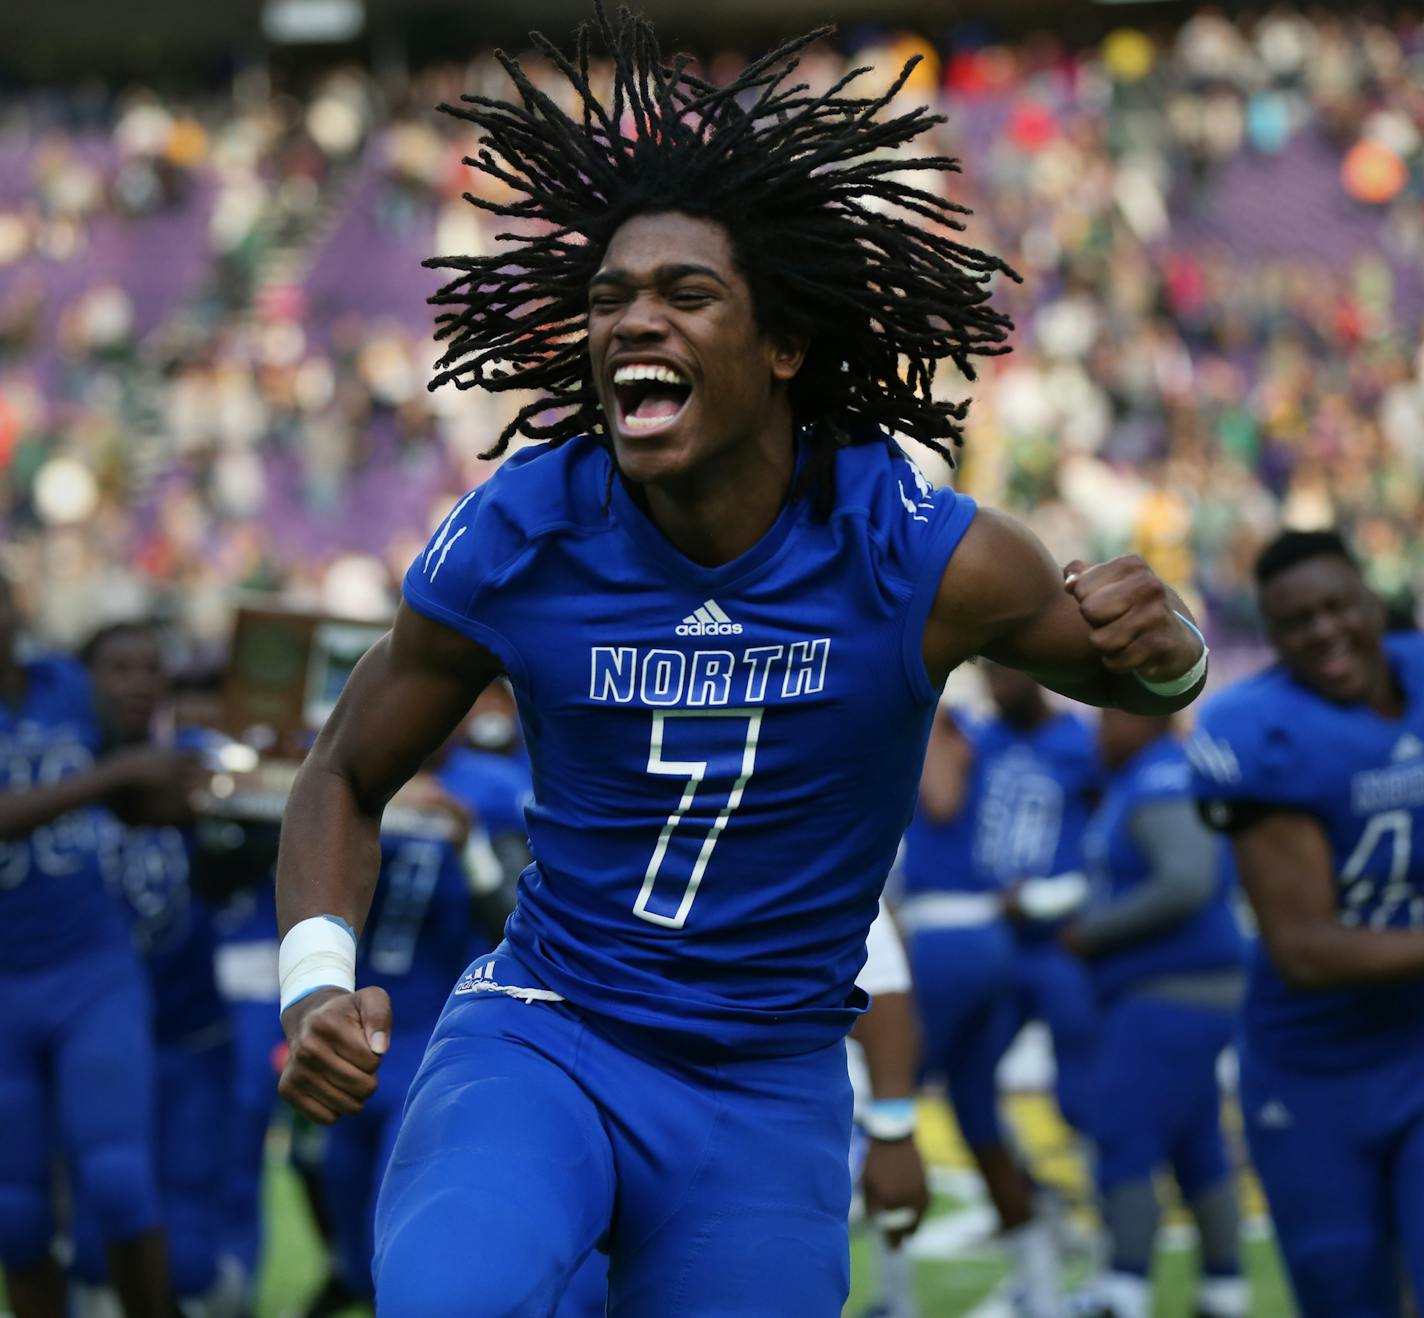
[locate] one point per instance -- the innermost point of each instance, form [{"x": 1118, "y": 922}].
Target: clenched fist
[
  {"x": 335, "y": 1044},
  {"x": 1129, "y": 611}
]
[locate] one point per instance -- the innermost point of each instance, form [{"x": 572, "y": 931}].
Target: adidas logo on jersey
[
  {"x": 708, "y": 620},
  {"x": 1408, "y": 747}
]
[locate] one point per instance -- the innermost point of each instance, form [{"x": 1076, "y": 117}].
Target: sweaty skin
[{"x": 713, "y": 480}]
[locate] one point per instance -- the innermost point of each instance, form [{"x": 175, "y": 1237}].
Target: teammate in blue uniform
[
  {"x": 76, "y": 1056},
  {"x": 1040, "y": 778},
  {"x": 1316, "y": 770},
  {"x": 726, "y": 603},
  {"x": 1162, "y": 943},
  {"x": 965, "y": 958},
  {"x": 1023, "y": 784},
  {"x": 487, "y": 772},
  {"x": 246, "y": 964},
  {"x": 151, "y": 870}
]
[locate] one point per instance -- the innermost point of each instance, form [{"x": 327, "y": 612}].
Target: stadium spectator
[{"x": 197, "y": 396}]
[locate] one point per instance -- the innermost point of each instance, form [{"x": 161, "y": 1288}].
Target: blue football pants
[
  {"x": 257, "y": 1034},
  {"x": 1055, "y": 988},
  {"x": 530, "y": 1141},
  {"x": 193, "y": 1086},
  {"x": 77, "y": 1076},
  {"x": 1341, "y": 1157},
  {"x": 1156, "y": 1102},
  {"x": 965, "y": 981}
]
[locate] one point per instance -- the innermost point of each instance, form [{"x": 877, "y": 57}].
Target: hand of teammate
[
  {"x": 154, "y": 786},
  {"x": 896, "y": 1190},
  {"x": 1128, "y": 609},
  {"x": 336, "y": 1041}
]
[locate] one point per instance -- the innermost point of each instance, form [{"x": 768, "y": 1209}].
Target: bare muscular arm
[
  {"x": 1288, "y": 872},
  {"x": 402, "y": 702},
  {"x": 1003, "y": 597}
]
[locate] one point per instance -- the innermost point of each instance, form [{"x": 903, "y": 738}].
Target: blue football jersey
[
  {"x": 1271, "y": 742},
  {"x": 419, "y": 934},
  {"x": 724, "y": 759},
  {"x": 150, "y": 869},
  {"x": 1209, "y": 939},
  {"x": 1035, "y": 791},
  {"x": 53, "y": 903},
  {"x": 938, "y": 854}
]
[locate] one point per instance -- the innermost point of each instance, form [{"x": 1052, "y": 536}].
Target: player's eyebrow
[{"x": 664, "y": 274}]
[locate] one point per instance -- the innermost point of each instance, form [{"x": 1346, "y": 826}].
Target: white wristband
[
  {"x": 316, "y": 953},
  {"x": 1174, "y": 686},
  {"x": 888, "y": 1119}
]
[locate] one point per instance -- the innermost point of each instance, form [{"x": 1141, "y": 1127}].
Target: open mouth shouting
[{"x": 650, "y": 396}]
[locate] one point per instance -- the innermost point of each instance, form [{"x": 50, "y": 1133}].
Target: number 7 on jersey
[{"x": 695, "y": 772}]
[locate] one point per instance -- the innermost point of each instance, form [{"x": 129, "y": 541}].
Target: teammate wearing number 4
[
  {"x": 1316, "y": 769},
  {"x": 735, "y": 294}
]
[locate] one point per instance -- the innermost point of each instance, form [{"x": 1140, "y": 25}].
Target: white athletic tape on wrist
[
  {"x": 316, "y": 953},
  {"x": 1174, "y": 686}
]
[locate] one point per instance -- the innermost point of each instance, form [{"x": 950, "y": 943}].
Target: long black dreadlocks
[{"x": 835, "y": 245}]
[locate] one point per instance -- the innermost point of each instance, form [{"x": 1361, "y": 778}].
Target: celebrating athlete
[{"x": 726, "y": 602}]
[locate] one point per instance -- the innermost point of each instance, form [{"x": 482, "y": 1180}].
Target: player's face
[
  {"x": 683, "y": 371},
  {"x": 1326, "y": 627},
  {"x": 130, "y": 683}
]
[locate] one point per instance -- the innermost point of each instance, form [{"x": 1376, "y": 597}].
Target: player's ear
[{"x": 788, "y": 354}]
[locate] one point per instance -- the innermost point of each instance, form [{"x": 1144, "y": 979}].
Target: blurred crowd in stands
[{"x": 214, "y": 344}]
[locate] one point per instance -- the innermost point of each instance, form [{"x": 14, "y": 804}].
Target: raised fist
[{"x": 1129, "y": 612}]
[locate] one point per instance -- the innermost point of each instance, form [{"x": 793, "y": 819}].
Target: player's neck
[
  {"x": 721, "y": 511},
  {"x": 1385, "y": 695}
]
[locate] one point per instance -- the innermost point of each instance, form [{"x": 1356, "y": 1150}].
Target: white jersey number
[
  {"x": 1363, "y": 900},
  {"x": 694, "y": 771}
]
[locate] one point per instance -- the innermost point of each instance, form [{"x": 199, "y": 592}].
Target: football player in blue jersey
[
  {"x": 151, "y": 870},
  {"x": 487, "y": 772},
  {"x": 246, "y": 931},
  {"x": 1002, "y": 801},
  {"x": 727, "y": 603},
  {"x": 1040, "y": 778},
  {"x": 76, "y": 1056},
  {"x": 1315, "y": 768},
  {"x": 1165, "y": 953}
]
